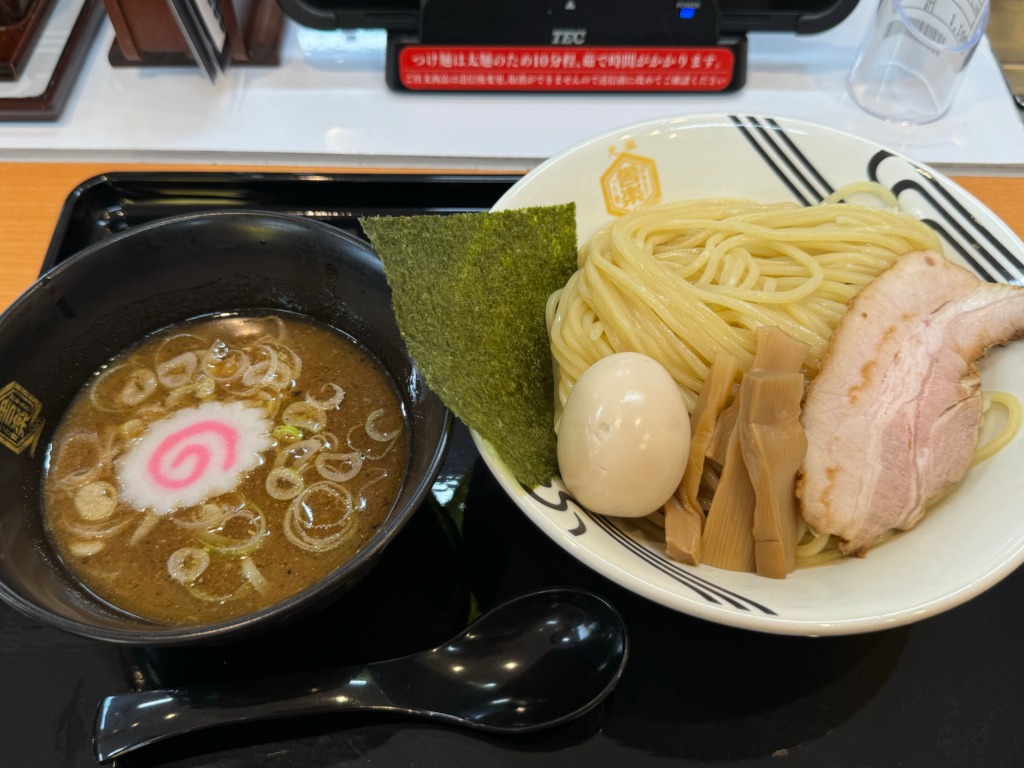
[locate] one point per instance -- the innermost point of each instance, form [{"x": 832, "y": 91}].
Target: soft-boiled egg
[{"x": 623, "y": 436}]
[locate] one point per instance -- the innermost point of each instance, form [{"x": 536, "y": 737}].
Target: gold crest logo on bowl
[
  {"x": 20, "y": 425},
  {"x": 630, "y": 182}
]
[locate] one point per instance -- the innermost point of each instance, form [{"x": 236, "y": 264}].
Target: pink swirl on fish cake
[
  {"x": 193, "y": 455},
  {"x": 196, "y": 450}
]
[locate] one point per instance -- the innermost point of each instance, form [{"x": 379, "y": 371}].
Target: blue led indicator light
[{"x": 687, "y": 13}]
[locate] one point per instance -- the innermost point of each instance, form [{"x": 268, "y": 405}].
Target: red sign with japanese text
[{"x": 538, "y": 68}]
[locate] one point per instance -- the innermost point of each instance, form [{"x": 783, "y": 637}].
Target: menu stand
[
  {"x": 147, "y": 33},
  {"x": 49, "y": 102},
  {"x": 21, "y": 21}
]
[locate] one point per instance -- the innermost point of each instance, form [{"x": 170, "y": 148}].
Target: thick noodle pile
[
  {"x": 692, "y": 281},
  {"x": 685, "y": 280}
]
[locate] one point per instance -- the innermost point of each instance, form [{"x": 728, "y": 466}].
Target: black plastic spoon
[{"x": 536, "y": 661}]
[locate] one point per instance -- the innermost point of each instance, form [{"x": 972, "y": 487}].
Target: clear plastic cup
[{"x": 913, "y": 57}]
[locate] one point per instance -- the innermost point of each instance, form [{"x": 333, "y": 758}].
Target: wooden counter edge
[{"x": 33, "y": 194}]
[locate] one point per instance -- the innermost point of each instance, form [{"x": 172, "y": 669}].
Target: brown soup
[{"x": 222, "y": 465}]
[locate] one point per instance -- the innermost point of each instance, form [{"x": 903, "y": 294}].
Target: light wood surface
[{"x": 32, "y": 195}]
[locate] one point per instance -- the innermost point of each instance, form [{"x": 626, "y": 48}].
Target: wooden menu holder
[
  {"x": 147, "y": 33},
  {"x": 21, "y": 21}
]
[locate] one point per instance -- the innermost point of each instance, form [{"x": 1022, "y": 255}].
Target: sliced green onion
[
  {"x": 377, "y": 434},
  {"x": 270, "y": 372},
  {"x": 298, "y": 455},
  {"x": 102, "y": 392},
  {"x": 87, "y": 548},
  {"x": 368, "y": 452},
  {"x": 321, "y": 518},
  {"x": 339, "y": 467},
  {"x": 180, "y": 396},
  {"x": 284, "y": 483},
  {"x": 187, "y": 564},
  {"x": 177, "y": 371},
  {"x": 237, "y": 546},
  {"x": 132, "y": 428},
  {"x": 328, "y": 440},
  {"x": 96, "y": 501},
  {"x": 85, "y": 531},
  {"x": 224, "y": 364},
  {"x": 287, "y": 433},
  {"x": 205, "y": 387},
  {"x": 145, "y": 527},
  {"x": 288, "y": 359},
  {"x": 83, "y": 446},
  {"x": 140, "y": 385},
  {"x": 372, "y": 476},
  {"x": 333, "y": 401},
  {"x": 175, "y": 345},
  {"x": 306, "y": 416},
  {"x": 208, "y": 516},
  {"x": 206, "y": 597},
  {"x": 269, "y": 402},
  {"x": 253, "y": 575}
]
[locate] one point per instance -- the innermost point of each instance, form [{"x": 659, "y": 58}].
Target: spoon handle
[{"x": 128, "y": 721}]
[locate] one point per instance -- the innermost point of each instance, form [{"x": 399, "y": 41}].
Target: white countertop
[{"x": 328, "y": 104}]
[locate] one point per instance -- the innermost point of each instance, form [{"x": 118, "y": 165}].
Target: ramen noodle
[
  {"x": 685, "y": 281},
  {"x": 682, "y": 281}
]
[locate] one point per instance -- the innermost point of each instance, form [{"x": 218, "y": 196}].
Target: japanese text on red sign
[{"x": 526, "y": 68}]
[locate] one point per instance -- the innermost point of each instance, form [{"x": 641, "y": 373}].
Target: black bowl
[{"x": 104, "y": 299}]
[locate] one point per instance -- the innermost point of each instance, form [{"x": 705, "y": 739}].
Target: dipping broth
[{"x": 222, "y": 465}]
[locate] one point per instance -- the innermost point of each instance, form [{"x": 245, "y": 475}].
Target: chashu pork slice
[{"x": 892, "y": 417}]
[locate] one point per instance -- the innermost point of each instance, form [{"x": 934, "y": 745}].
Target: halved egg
[{"x": 623, "y": 436}]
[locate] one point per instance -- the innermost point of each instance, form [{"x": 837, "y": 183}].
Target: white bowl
[{"x": 967, "y": 544}]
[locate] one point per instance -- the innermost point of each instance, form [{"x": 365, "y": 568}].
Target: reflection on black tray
[
  {"x": 944, "y": 692},
  {"x": 115, "y": 202}
]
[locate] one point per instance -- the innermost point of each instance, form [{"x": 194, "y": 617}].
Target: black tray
[{"x": 944, "y": 692}]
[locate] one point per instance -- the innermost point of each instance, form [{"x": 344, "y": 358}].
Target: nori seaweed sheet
[{"x": 469, "y": 292}]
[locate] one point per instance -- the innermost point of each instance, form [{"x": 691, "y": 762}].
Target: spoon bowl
[{"x": 536, "y": 661}]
